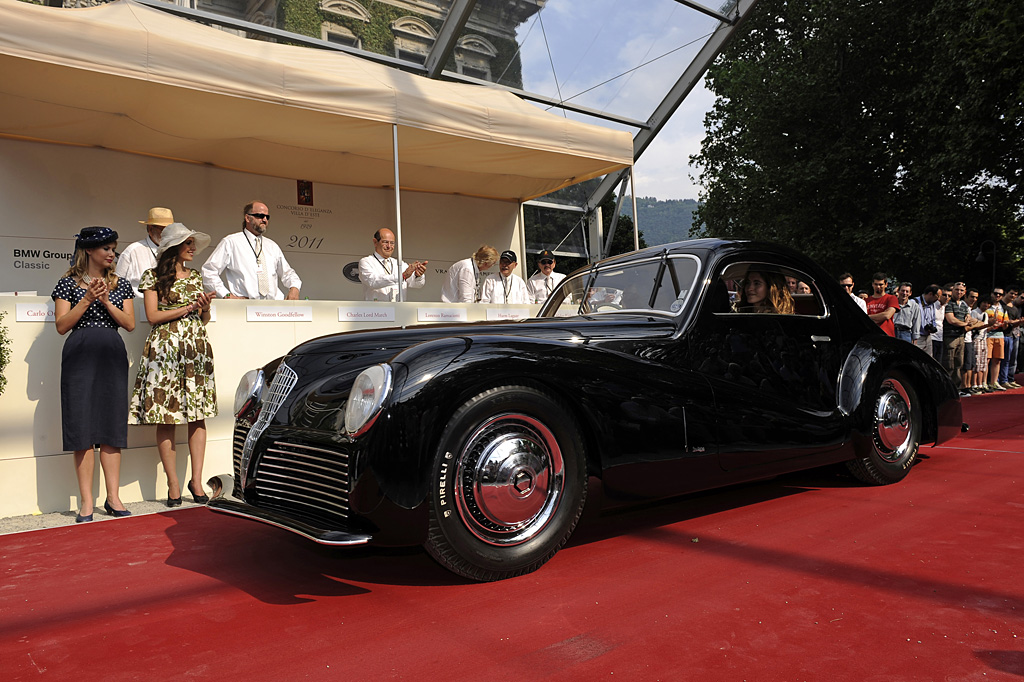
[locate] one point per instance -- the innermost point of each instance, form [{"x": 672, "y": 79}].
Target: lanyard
[
  {"x": 384, "y": 263},
  {"x": 254, "y": 252}
]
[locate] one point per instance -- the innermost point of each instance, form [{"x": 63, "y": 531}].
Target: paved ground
[{"x": 17, "y": 524}]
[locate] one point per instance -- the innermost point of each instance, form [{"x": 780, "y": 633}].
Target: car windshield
[{"x": 657, "y": 284}]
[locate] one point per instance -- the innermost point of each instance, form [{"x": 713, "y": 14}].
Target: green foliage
[
  {"x": 5, "y": 353},
  {"x": 876, "y": 135},
  {"x": 662, "y": 220}
]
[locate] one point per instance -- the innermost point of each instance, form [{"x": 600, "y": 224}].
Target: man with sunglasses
[
  {"x": 546, "y": 280},
  {"x": 251, "y": 263},
  {"x": 846, "y": 281}
]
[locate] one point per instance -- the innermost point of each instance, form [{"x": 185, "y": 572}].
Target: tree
[{"x": 871, "y": 135}]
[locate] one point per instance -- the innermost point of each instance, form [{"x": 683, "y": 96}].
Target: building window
[
  {"x": 339, "y": 35},
  {"x": 413, "y": 39},
  {"x": 473, "y": 55}
]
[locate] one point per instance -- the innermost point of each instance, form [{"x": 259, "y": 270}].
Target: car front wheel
[
  {"x": 509, "y": 484},
  {"x": 895, "y": 431}
]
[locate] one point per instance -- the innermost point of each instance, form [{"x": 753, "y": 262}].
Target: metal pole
[
  {"x": 398, "y": 213},
  {"x": 636, "y": 218}
]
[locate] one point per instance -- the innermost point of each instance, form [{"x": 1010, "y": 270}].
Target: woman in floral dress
[{"x": 175, "y": 380}]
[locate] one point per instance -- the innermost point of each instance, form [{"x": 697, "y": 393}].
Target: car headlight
[
  {"x": 368, "y": 392},
  {"x": 248, "y": 392}
]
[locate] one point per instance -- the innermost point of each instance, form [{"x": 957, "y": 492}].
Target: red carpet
[{"x": 806, "y": 577}]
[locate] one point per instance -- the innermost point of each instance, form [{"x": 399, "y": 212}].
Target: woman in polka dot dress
[
  {"x": 93, "y": 303},
  {"x": 175, "y": 381}
]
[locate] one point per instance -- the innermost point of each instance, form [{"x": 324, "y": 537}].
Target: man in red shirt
[{"x": 882, "y": 306}]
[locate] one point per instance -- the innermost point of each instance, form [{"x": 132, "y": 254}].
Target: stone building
[{"x": 406, "y": 29}]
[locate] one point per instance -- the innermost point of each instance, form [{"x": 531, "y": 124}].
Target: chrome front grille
[
  {"x": 304, "y": 481},
  {"x": 284, "y": 381},
  {"x": 237, "y": 444}
]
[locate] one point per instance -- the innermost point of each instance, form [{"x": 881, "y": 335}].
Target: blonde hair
[
  {"x": 80, "y": 267},
  {"x": 486, "y": 254}
]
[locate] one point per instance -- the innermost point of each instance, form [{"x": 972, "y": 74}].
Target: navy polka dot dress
[{"x": 94, "y": 372}]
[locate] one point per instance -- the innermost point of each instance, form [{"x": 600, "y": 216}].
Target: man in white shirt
[
  {"x": 846, "y": 281},
  {"x": 462, "y": 285},
  {"x": 505, "y": 286},
  {"x": 546, "y": 280},
  {"x": 251, "y": 263},
  {"x": 380, "y": 272},
  {"x": 141, "y": 255}
]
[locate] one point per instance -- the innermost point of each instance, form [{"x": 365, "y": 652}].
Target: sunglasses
[
  {"x": 258, "y": 216},
  {"x": 547, "y": 261},
  {"x": 848, "y": 286}
]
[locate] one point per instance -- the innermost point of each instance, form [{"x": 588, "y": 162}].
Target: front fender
[
  {"x": 866, "y": 365},
  {"x": 434, "y": 378}
]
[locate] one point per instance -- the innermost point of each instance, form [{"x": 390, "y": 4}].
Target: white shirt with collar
[
  {"x": 500, "y": 289},
  {"x": 136, "y": 258},
  {"x": 940, "y": 316},
  {"x": 235, "y": 258},
  {"x": 380, "y": 277},
  {"x": 463, "y": 283},
  {"x": 860, "y": 302},
  {"x": 540, "y": 285}
]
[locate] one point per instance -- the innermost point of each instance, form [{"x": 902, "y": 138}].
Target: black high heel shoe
[
  {"x": 173, "y": 501},
  {"x": 83, "y": 519},
  {"x": 200, "y": 499},
  {"x": 115, "y": 512}
]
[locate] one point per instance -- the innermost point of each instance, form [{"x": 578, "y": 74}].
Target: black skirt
[{"x": 94, "y": 389}]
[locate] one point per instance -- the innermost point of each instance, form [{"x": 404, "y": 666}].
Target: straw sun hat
[{"x": 159, "y": 216}]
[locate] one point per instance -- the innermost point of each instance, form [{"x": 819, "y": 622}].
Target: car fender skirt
[
  {"x": 224, "y": 502},
  {"x": 950, "y": 421}
]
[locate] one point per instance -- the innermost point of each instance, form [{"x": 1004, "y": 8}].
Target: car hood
[{"x": 608, "y": 327}]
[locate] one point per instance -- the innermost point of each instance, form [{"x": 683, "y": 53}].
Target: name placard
[
  {"x": 350, "y": 314},
  {"x": 35, "y": 312},
  {"x": 441, "y": 315},
  {"x": 266, "y": 313},
  {"x": 495, "y": 314}
]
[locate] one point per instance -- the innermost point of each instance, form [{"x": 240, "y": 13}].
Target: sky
[{"x": 622, "y": 56}]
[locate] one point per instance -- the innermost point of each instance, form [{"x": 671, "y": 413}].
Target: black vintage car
[{"x": 656, "y": 373}]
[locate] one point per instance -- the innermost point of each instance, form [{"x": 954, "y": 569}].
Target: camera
[{"x": 929, "y": 329}]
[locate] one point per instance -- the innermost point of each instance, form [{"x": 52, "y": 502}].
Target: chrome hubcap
[
  {"x": 510, "y": 477},
  {"x": 892, "y": 421}
]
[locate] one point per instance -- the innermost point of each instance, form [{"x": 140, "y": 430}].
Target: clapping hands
[{"x": 97, "y": 291}]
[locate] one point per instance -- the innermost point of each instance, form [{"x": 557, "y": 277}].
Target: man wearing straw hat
[{"x": 141, "y": 255}]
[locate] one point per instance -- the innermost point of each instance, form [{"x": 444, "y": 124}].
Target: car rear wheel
[
  {"x": 895, "y": 425},
  {"x": 508, "y": 486}
]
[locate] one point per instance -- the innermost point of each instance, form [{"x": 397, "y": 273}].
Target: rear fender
[{"x": 866, "y": 365}]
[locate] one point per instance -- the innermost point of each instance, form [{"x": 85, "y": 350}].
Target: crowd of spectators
[{"x": 975, "y": 336}]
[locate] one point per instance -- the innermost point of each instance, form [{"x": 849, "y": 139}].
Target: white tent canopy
[{"x": 128, "y": 77}]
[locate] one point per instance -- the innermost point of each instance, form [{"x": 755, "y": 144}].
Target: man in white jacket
[
  {"x": 381, "y": 273},
  {"x": 505, "y": 286},
  {"x": 546, "y": 280}
]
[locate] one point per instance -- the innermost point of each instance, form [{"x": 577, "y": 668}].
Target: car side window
[
  {"x": 767, "y": 289},
  {"x": 657, "y": 284}
]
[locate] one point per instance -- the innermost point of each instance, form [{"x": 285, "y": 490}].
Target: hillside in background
[{"x": 660, "y": 221}]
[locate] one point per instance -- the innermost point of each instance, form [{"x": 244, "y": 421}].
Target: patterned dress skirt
[{"x": 175, "y": 381}]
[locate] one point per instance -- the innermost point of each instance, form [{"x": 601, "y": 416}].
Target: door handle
[{"x": 820, "y": 339}]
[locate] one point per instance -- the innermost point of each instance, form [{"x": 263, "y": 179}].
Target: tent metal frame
[{"x": 458, "y": 15}]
